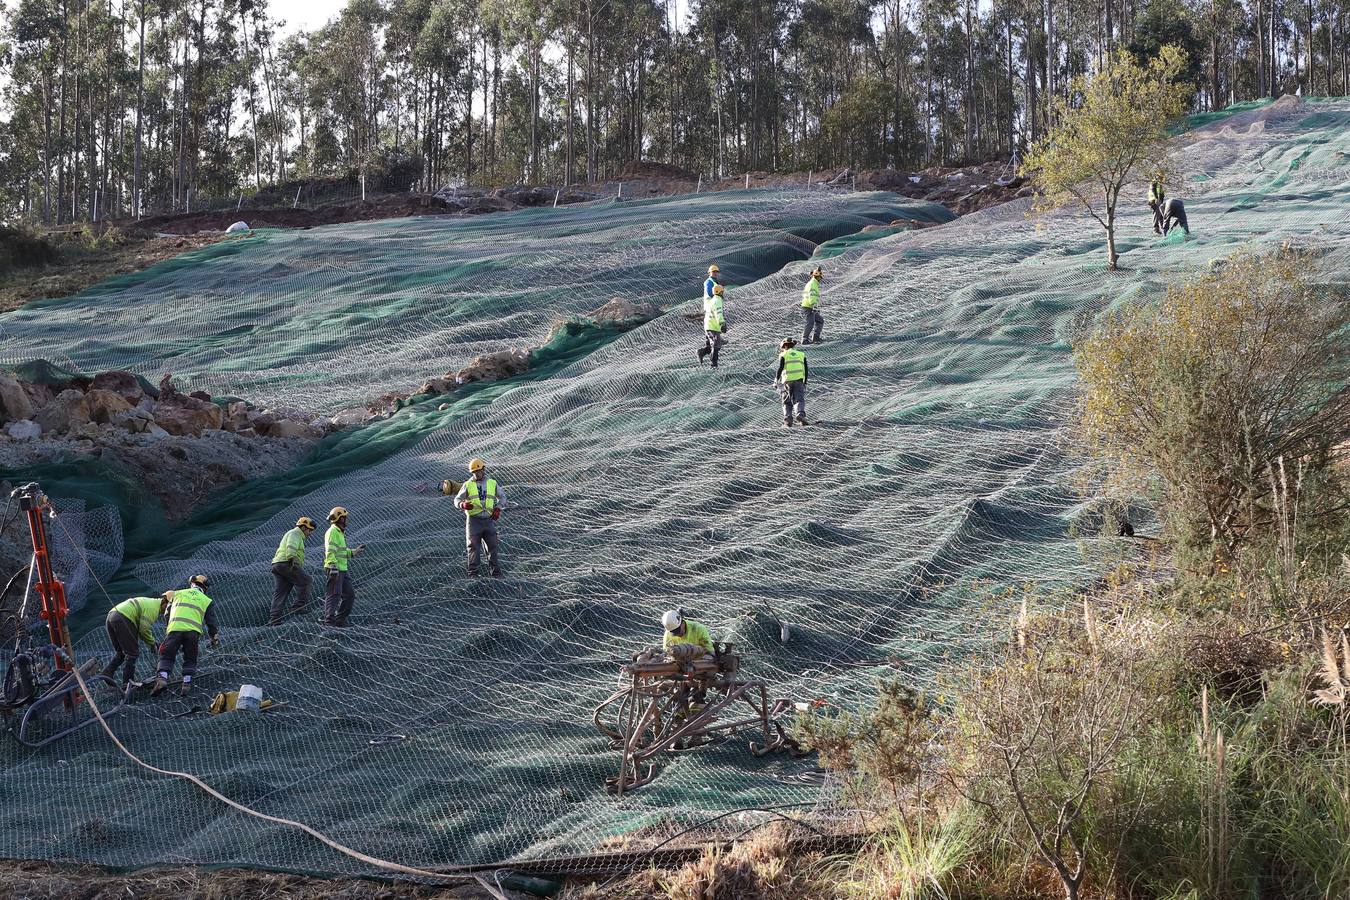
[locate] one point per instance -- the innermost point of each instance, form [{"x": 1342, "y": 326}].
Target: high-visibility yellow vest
[
  {"x": 141, "y": 612},
  {"x": 479, "y": 504},
  {"x": 713, "y": 313},
  {"x": 811, "y": 293},
  {"x": 794, "y": 364},
  {"x": 335, "y": 552},
  {"x": 188, "y": 612},
  {"x": 694, "y": 633},
  {"x": 292, "y": 548}
]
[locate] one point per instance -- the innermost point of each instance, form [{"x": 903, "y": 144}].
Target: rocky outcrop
[
  {"x": 105, "y": 406},
  {"x": 67, "y": 410},
  {"x": 124, "y": 384},
  {"x": 183, "y": 414},
  {"x": 14, "y": 402}
]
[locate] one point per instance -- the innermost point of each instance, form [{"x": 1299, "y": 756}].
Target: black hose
[{"x": 6, "y": 616}]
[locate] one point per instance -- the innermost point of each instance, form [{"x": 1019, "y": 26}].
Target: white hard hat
[{"x": 672, "y": 620}]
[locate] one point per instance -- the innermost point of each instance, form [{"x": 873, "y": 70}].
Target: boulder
[
  {"x": 494, "y": 366},
  {"x": 435, "y": 386},
  {"x": 621, "y": 313},
  {"x": 289, "y": 428},
  {"x": 200, "y": 395},
  {"x": 181, "y": 414},
  {"x": 39, "y": 395},
  {"x": 104, "y": 405},
  {"x": 261, "y": 422},
  {"x": 24, "y": 430},
  {"x": 349, "y": 417},
  {"x": 68, "y": 409},
  {"x": 14, "y": 403},
  {"x": 134, "y": 420},
  {"x": 124, "y": 384}
]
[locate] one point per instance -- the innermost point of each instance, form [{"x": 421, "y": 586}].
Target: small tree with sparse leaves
[{"x": 1109, "y": 127}]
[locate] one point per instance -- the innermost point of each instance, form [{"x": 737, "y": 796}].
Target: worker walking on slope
[
  {"x": 481, "y": 500},
  {"x": 1157, "y": 195},
  {"x": 288, "y": 570},
  {"x": 813, "y": 321},
  {"x": 714, "y": 324},
  {"x": 790, "y": 378},
  {"x": 340, "y": 593},
  {"x": 713, "y": 280},
  {"x": 191, "y": 613},
  {"x": 130, "y": 624}
]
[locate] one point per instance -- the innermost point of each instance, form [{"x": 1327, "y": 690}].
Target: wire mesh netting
[
  {"x": 330, "y": 318},
  {"x": 451, "y": 723}
]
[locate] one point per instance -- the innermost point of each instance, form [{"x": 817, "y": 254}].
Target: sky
[{"x": 304, "y": 15}]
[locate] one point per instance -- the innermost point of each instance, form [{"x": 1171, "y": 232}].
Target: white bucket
[{"x": 250, "y": 698}]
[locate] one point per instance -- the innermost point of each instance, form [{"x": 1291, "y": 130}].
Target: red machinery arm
[{"x": 53, "y": 593}]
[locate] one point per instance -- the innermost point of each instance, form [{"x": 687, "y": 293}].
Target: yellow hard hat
[
  {"x": 336, "y": 513},
  {"x": 305, "y": 522},
  {"x": 713, "y": 268},
  {"x": 477, "y": 465},
  {"x": 719, "y": 290}
]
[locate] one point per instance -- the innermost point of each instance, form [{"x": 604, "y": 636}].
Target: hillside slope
[{"x": 451, "y": 724}]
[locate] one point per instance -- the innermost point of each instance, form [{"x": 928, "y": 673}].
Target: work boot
[
  {"x": 801, "y": 420},
  {"x": 787, "y": 423},
  {"x": 160, "y": 684},
  {"x": 185, "y": 689},
  {"x": 702, "y": 354},
  {"x": 497, "y": 573}
]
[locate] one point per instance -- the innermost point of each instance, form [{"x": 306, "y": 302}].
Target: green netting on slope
[
  {"x": 934, "y": 477},
  {"x": 329, "y": 318}
]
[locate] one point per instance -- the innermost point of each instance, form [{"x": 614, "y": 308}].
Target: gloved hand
[
  {"x": 215, "y": 643},
  {"x": 358, "y": 548},
  {"x": 496, "y": 513},
  {"x": 464, "y": 505},
  {"x": 725, "y": 327}
]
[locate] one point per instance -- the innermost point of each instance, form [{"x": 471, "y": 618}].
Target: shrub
[
  {"x": 23, "y": 248},
  {"x": 1227, "y": 398}
]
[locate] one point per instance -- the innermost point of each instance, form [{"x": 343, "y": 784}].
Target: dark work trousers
[
  {"x": 288, "y": 576},
  {"x": 338, "y": 598},
  {"x": 188, "y": 642},
  {"x": 477, "y": 532},
  {"x": 812, "y": 322},
  {"x": 794, "y": 394},
  {"x": 127, "y": 643},
  {"x": 1158, "y": 219},
  {"x": 712, "y": 341}
]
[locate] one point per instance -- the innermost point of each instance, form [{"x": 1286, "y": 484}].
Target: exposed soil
[{"x": 82, "y": 262}]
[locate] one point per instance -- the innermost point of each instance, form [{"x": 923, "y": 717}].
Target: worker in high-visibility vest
[
  {"x": 337, "y": 557},
  {"x": 130, "y": 624},
  {"x": 812, "y": 320},
  {"x": 1157, "y": 195},
  {"x": 191, "y": 614},
  {"x": 714, "y": 324},
  {"x": 681, "y": 630},
  {"x": 791, "y": 381},
  {"x": 481, "y": 500},
  {"x": 288, "y": 571}
]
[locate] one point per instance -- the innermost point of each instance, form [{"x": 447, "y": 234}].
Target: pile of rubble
[{"x": 180, "y": 446}]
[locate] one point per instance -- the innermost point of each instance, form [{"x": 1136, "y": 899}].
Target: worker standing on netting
[
  {"x": 1157, "y": 195},
  {"x": 191, "y": 613},
  {"x": 340, "y": 594},
  {"x": 481, "y": 500},
  {"x": 790, "y": 379},
  {"x": 813, "y": 321},
  {"x": 713, "y": 280},
  {"x": 714, "y": 324},
  {"x": 1174, "y": 211},
  {"x": 130, "y": 624},
  {"x": 288, "y": 570}
]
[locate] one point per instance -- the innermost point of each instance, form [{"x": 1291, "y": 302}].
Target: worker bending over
[
  {"x": 481, "y": 500},
  {"x": 714, "y": 324},
  {"x": 340, "y": 593},
  {"x": 130, "y": 624},
  {"x": 191, "y": 614},
  {"x": 680, "y": 630},
  {"x": 288, "y": 570},
  {"x": 791, "y": 381},
  {"x": 813, "y": 321},
  {"x": 1174, "y": 212}
]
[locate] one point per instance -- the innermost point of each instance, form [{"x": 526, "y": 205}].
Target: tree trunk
[{"x": 140, "y": 103}]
